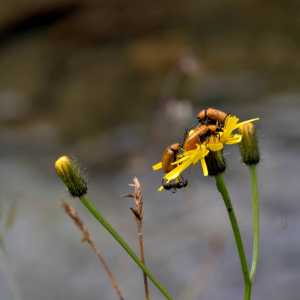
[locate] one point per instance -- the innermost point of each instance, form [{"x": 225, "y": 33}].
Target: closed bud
[
  {"x": 215, "y": 162},
  {"x": 69, "y": 173},
  {"x": 249, "y": 144}
]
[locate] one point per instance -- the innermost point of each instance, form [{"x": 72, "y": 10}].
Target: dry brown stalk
[
  {"x": 138, "y": 215},
  {"x": 86, "y": 237}
]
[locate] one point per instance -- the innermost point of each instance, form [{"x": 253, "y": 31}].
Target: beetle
[
  {"x": 200, "y": 135},
  {"x": 175, "y": 185},
  {"x": 194, "y": 127},
  {"x": 169, "y": 157},
  {"x": 212, "y": 114}
]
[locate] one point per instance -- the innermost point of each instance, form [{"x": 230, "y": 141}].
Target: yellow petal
[
  {"x": 230, "y": 126},
  {"x": 199, "y": 154},
  {"x": 160, "y": 189},
  {"x": 242, "y": 123},
  {"x": 181, "y": 160},
  {"x": 215, "y": 147},
  {"x": 204, "y": 166},
  {"x": 232, "y": 121},
  {"x": 189, "y": 157},
  {"x": 177, "y": 171},
  {"x": 234, "y": 140},
  {"x": 157, "y": 166}
]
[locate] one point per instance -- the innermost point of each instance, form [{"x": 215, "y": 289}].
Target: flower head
[
  {"x": 216, "y": 163},
  {"x": 249, "y": 144},
  {"x": 213, "y": 143},
  {"x": 71, "y": 176}
]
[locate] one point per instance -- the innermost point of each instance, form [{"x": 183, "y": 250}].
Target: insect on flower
[
  {"x": 201, "y": 135},
  {"x": 174, "y": 185},
  {"x": 168, "y": 159},
  {"x": 210, "y": 116},
  {"x": 197, "y": 153}
]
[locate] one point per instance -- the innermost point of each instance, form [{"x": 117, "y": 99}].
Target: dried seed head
[
  {"x": 69, "y": 173},
  {"x": 249, "y": 144},
  {"x": 216, "y": 163},
  {"x": 138, "y": 197}
]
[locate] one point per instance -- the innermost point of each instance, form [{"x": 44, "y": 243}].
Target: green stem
[
  {"x": 223, "y": 190},
  {"x": 255, "y": 204},
  {"x": 97, "y": 215},
  {"x": 247, "y": 295}
]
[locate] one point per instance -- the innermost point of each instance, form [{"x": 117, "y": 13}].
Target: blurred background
[{"x": 114, "y": 83}]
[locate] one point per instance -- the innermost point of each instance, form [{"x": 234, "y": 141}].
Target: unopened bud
[
  {"x": 215, "y": 162},
  {"x": 71, "y": 176},
  {"x": 249, "y": 144}
]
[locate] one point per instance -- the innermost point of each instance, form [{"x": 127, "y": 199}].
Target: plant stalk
[
  {"x": 95, "y": 248},
  {"x": 143, "y": 258},
  {"x": 223, "y": 190},
  {"x": 107, "y": 226},
  {"x": 255, "y": 205}
]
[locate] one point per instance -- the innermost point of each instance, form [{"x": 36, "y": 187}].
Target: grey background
[{"x": 114, "y": 83}]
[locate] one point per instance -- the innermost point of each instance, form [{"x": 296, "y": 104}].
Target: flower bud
[
  {"x": 249, "y": 144},
  {"x": 70, "y": 175},
  {"x": 216, "y": 163}
]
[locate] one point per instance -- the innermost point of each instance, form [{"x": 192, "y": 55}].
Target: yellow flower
[
  {"x": 226, "y": 137},
  {"x": 185, "y": 160},
  {"x": 71, "y": 176},
  {"x": 215, "y": 143}
]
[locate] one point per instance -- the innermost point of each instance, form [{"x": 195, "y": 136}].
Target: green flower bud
[
  {"x": 70, "y": 175},
  {"x": 216, "y": 163},
  {"x": 249, "y": 144}
]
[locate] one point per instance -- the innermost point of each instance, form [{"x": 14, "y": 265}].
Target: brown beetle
[
  {"x": 212, "y": 114},
  {"x": 201, "y": 135},
  {"x": 169, "y": 157}
]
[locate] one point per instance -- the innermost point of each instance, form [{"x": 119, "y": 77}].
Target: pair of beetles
[{"x": 210, "y": 122}]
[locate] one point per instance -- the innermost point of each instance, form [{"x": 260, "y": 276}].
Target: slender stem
[
  {"x": 223, "y": 190},
  {"x": 97, "y": 215},
  {"x": 255, "y": 204},
  {"x": 9, "y": 275},
  {"x": 87, "y": 238},
  {"x": 95, "y": 248},
  {"x": 113, "y": 281},
  {"x": 247, "y": 295},
  {"x": 143, "y": 258}
]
